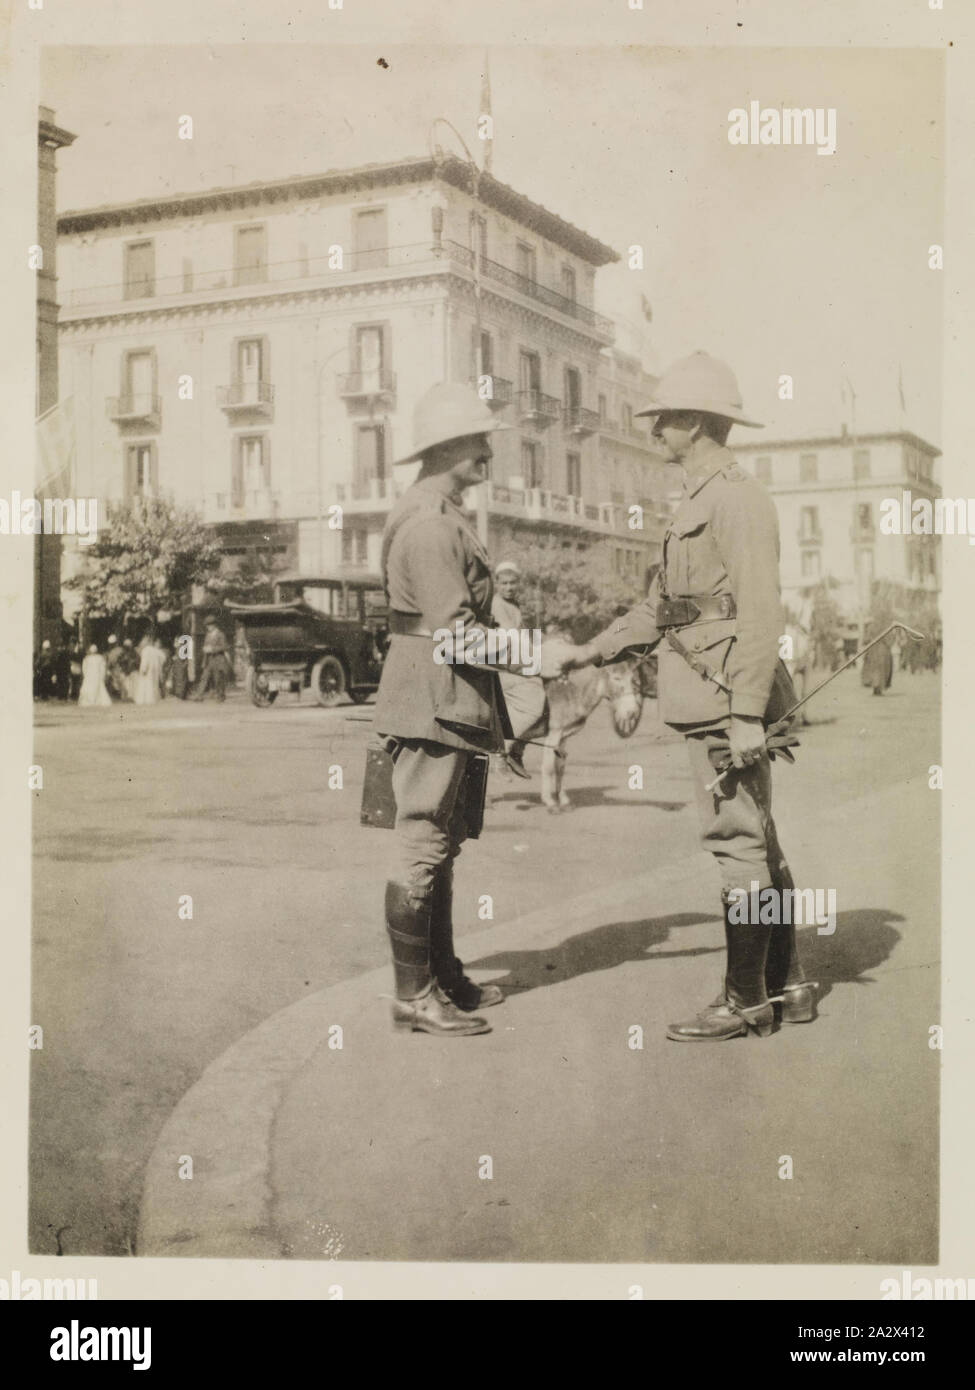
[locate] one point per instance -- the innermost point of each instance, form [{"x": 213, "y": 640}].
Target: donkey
[{"x": 572, "y": 699}]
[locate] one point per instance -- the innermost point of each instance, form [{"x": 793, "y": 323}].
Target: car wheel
[
  {"x": 257, "y": 687},
  {"x": 328, "y": 680}
]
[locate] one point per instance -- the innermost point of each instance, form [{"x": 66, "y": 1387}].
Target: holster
[{"x": 378, "y": 808}]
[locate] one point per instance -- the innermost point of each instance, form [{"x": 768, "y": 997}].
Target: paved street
[{"x": 209, "y": 1036}]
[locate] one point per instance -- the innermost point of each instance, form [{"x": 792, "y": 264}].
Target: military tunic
[
  {"x": 433, "y": 716},
  {"x": 722, "y": 543}
]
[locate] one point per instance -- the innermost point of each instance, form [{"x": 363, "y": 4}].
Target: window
[
  {"x": 355, "y": 545},
  {"x": 529, "y": 371},
  {"x": 863, "y": 518},
  {"x": 371, "y": 246},
  {"x": 573, "y": 388},
  {"x": 601, "y": 407},
  {"x": 525, "y": 261},
  {"x": 861, "y": 463},
  {"x": 763, "y": 469},
  {"x": 810, "y": 560},
  {"x": 369, "y": 465},
  {"x": 141, "y": 473},
  {"x": 808, "y": 468},
  {"x": 139, "y": 275},
  {"x": 568, "y": 283},
  {"x": 370, "y": 354},
  {"x": 926, "y": 467},
  {"x": 627, "y": 414},
  {"x": 139, "y": 382},
  {"x": 251, "y": 468},
  {"x": 482, "y": 354},
  {"x": 808, "y": 523},
  {"x": 865, "y": 567},
  {"x": 573, "y": 475},
  {"x": 187, "y": 275},
  {"x": 531, "y": 466},
  {"x": 250, "y": 255}
]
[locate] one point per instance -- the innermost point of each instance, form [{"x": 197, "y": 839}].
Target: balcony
[
  {"x": 541, "y": 505},
  {"x": 502, "y": 391},
  {"x": 537, "y": 409},
  {"x": 364, "y": 495},
  {"x": 579, "y": 421},
  {"x": 252, "y": 504},
  {"x": 135, "y": 409},
  {"x": 247, "y": 397},
  {"x": 811, "y": 535},
  {"x": 371, "y": 386},
  {"x": 525, "y": 285}
]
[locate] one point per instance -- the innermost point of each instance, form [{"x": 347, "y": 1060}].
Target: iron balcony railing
[
  {"x": 529, "y": 287},
  {"x": 134, "y": 406},
  {"x": 376, "y": 382},
  {"x": 273, "y": 275},
  {"x": 502, "y": 392},
  {"x": 536, "y": 406},
  {"x": 579, "y": 420},
  {"x": 245, "y": 395}
]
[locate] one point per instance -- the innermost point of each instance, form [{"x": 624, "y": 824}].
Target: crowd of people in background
[{"x": 121, "y": 672}]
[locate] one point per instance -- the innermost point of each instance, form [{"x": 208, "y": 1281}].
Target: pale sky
[{"x": 777, "y": 259}]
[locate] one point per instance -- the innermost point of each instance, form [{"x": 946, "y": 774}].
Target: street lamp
[{"x": 439, "y": 157}]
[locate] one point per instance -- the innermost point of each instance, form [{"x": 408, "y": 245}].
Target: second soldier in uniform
[{"x": 715, "y": 617}]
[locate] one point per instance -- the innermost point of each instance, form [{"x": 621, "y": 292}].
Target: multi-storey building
[
  {"x": 828, "y": 493},
  {"x": 634, "y": 473},
  {"x": 47, "y": 549},
  {"x": 257, "y": 351}
]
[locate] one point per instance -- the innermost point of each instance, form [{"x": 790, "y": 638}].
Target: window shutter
[
  {"x": 130, "y": 458},
  {"x": 265, "y": 358},
  {"x": 266, "y": 461},
  {"x": 153, "y": 470}
]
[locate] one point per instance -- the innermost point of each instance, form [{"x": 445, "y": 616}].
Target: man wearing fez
[
  {"x": 715, "y": 614},
  {"x": 524, "y": 696},
  {"x": 435, "y": 716}
]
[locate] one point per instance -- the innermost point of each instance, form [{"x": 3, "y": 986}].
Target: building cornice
[
  {"x": 456, "y": 172},
  {"x": 236, "y": 304},
  {"x": 836, "y": 441}
]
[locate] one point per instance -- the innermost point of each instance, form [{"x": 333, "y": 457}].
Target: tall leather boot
[
  {"x": 785, "y": 979},
  {"x": 446, "y": 967},
  {"x": 420, "y": 1005},
  {"x": 744, "y": 1009}
]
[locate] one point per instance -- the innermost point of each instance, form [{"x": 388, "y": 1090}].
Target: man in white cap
[
  {"x": 523, "y": 695},
  {"x": 434, "y": 716},
  {"x": 715, "y": 612}
]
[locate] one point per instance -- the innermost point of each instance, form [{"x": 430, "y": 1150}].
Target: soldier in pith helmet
[
  {"x": 714, "y": 612},
  {"x": 434, "y": 717}
]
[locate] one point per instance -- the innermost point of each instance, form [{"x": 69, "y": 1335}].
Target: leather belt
[
  {"x": 694, "y": 608},
  {"x": 407, "y": 625}
]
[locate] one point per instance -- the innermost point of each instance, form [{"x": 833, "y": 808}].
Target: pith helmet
[
  {"x": 448, "y": 411},
  {"x": 700, "y": 382},
  {"x": 508, "y": 567}
]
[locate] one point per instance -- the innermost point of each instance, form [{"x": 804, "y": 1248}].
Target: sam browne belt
[{"x": 694, "y": 608}]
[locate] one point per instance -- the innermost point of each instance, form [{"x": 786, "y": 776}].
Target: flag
[
  {"x": 486, "y": 111},
  {"x": 54, "y": 464},
  {"x": 647, "y": 308}
]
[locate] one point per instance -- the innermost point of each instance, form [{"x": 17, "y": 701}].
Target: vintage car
[{"x": 325, "y": 632}]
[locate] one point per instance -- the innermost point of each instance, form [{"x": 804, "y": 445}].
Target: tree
[
  {"x": 145, "y": 559},
  {"x": 576, "y": 588}
]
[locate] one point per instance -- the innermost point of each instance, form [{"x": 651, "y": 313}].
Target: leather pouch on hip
[{"x": 378, "y": 803}]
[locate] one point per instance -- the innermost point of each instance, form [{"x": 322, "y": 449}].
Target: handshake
[{"x": 560, "y": 656}]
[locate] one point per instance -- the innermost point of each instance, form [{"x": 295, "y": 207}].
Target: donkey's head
[{"x": 624, "y": 691}]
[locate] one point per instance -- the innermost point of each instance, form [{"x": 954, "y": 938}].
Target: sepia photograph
[{"x": 530, "y": 459}]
